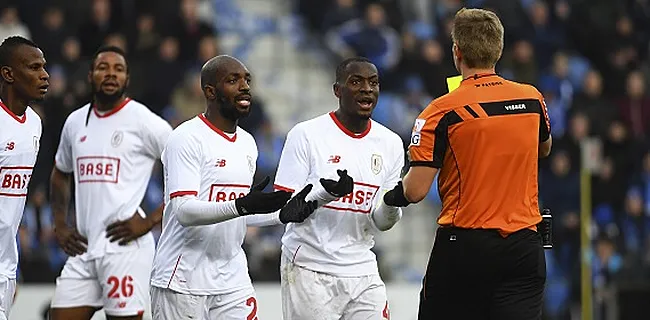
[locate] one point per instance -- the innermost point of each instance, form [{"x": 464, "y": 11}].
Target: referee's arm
[
  {"x": 417, "y": 182},
  {"x": 545, "y": 139},
  {"x": 426, "y": 151}
]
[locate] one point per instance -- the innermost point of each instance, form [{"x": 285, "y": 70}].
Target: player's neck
[
  {"x": 220, "y": 122},
  {"x": 16, "y": 105},
  {"x": 104, "y": 106},
  {"x": 467, "y": 72},
  {"x": 354, "y": 124}
]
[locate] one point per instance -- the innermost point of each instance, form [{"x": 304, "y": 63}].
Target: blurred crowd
[
  {"x": 589, "y": 58},
  {"x": 590, "y": 61},
  {"x": 167, "y": 43}
]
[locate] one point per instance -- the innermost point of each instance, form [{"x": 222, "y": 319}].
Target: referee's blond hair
[{"x": 478, "y": 34}]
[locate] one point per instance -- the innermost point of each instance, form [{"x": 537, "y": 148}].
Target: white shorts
[
  {"x": 117, "y": 282},
  {"x": 309, "y": 295},
  {"x": 7, "y": 291},
  {"x": 167, "y": 304}
]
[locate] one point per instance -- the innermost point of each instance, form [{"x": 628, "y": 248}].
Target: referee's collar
[{"x": 478, "y": 76}]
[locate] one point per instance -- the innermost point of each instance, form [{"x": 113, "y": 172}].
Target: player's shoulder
[
  {"x": 141, "y": 109},
  {"x": 385, "y": 133},
  {"x": 188, "y": 128},
  {"x": 243, "y": 134},
  {"x": 79, "y": 114},
  {"x": 32, "y": 114},
  {"x": 311, "y": 126}
]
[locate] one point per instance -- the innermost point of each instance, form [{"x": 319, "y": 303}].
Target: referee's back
[{"x": 484, "y": 137}]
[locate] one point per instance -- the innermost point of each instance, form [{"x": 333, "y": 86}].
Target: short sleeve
[
  {"x": 63, "y": 158},
  {"x": 428, "y": 139},
  {"x": 544, "y": 121},
  {"x": 182, "y": 166},
  {"x": 155, "y": 133},
  {"x": 293, "y": 168}
]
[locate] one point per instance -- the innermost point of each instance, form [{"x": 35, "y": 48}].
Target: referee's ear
[{"x": 336, "y": 88}]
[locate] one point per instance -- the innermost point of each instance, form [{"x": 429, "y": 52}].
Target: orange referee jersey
[{"x": 484, "y": 137}]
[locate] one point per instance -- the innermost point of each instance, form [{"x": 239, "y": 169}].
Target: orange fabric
[{"x": 484, "y": 137}]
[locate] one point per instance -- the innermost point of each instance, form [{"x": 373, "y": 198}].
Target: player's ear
[
  {"x": 7, "y": 74},
  {"x": 337, "y": 89},
  {"x": 209, "y": 92}
]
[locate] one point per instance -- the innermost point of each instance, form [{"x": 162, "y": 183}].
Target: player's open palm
[
  {"x": 258, "y": 201},
  {"x": 128, "y": 230},
  {"x": 70, "y": 240},
  {"x": 340, "y": 188},
  {"x": 297, "y": 209}
]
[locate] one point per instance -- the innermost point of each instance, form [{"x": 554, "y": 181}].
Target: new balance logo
[
  {"x": 220, "y": 163},
  {"x": 513, "y": 107},
  {"x": 82, "y": 139},
  {"x": 10, "y": 146},
  {"x": 334, "y": 159}
]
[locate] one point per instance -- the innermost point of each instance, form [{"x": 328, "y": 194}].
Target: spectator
[
  {"x": 635, "y": 106},
  {"x": 10, "y": 24},
  {"x": 370, "y": 38}
]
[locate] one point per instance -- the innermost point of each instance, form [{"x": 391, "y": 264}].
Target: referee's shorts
[{"x": 478, "y": 274}]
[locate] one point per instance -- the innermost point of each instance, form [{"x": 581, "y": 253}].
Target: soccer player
[
  {"x": 23, "y": 80},
  {"x": 484, "y": 140},
  {"x": 109, "y": 148},
  {"x": 328, "y": 270},
  {"x": 200, "y": 270}
]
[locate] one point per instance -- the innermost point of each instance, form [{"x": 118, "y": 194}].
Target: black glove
[
  {"x": 340, "y": 188},
  {"x": 297, "y": 209},
  {"x": 395, "y": 197},
  {"x": 257, "y": 201}
]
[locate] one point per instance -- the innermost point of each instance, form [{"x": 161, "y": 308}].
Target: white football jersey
[
  {"x": 203, "y": 161},
  {"x": 19, "y": 144},
  {"x": 111, "y": 156},
  {"x": 337, "y": 238}
]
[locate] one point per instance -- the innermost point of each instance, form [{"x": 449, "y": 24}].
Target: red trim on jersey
[
  {"x": 174, "y": 272},
  {"x": 348, "y": 132},
  {"x": 113, "y": 111},
  {"x": 281, "y": 188},
  {"x": 217, "y": 130},
  {"x": 20, "y": 119},
  {"x": 182, "y": 193}
]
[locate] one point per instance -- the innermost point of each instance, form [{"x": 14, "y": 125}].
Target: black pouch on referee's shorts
[{"x": 545, "y": 229}]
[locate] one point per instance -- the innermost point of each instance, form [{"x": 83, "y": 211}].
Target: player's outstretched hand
[
  {"x": 395, "y": 197},
  {"x": 340, "y": 188},
  {"x": 297, "y": 209},
  {"x": 257, "y": 201},
  {"x": 70, "y": 240},
  {"x": 128, "y": 230}
]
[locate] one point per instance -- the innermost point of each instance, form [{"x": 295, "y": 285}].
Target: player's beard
[
  {"x": 107, "y": 99},
  {"x": 228, "y": 109}
]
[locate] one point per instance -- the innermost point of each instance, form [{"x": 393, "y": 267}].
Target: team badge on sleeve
[{"x": 417, "y": 128}]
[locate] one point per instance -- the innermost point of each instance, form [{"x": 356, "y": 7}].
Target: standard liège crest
[
  {"x": 117, "y": 138},
  {"x": 376, "y": 163},
  {"x": 251, "y": 164}
]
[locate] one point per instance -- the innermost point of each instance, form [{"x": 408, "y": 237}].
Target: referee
[{"x": 484, "y": 140}]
